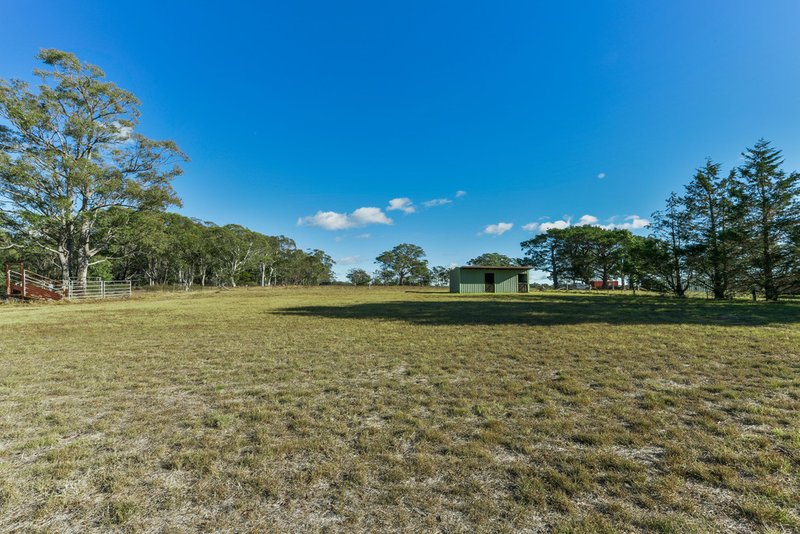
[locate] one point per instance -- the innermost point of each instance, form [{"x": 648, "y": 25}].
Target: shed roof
[{"x": 499, "y": 267}]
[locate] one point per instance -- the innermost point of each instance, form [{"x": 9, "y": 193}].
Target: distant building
[
  {"x": 598, "y": 284},
  {"x": 489, "y": 279}
]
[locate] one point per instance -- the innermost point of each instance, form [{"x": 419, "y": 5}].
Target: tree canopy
[
  {"x": 405, "y": 263},
  {"x": 72, "y": 153},
  {"x": 494, "y": 259}
]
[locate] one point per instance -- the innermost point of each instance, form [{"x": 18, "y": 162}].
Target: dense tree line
[
  {"x": 83, "y": 194},
  {"x": 728, "y": 234},
  {"x": 156, "y": 248}
]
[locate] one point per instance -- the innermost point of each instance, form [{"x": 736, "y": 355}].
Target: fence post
[
  {"x": 102, "y": 289},
  {"x": 8, "y": 281},
  {"x": 22, "y": 274}
]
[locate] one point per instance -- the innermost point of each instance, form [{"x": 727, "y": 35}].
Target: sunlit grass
[{"x": 350, "y": 408}]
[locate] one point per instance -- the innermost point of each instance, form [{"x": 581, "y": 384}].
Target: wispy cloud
[
  {"x": 497, "y": 229},
  {"x": 331, "y": 220},
  {"x": 436, "y": 202},
  {"x": 460, "y": 193},
  {"x": 403, "y": 204},
  {"x": 601, "y": 175},
  {"x": 349, "y": 260}
]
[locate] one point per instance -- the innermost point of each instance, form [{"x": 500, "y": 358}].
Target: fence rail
[
  {"x": 99, "y": 289},
  {"x": 26, "y": 284}
]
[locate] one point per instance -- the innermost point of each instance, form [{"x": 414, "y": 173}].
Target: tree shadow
[{"x": 560, "y": 310}]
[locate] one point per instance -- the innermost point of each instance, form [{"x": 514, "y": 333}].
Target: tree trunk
[{"x": 554, "y": 271}]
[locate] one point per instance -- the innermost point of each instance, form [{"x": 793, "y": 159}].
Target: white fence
[{"x": 99, "y": 289}]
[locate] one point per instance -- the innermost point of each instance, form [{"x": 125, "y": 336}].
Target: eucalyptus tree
[
  {"x": 404, "y": 262},
  {"x": 233, "y": 247},
  {"x": 772, "y": 216},
  {"x": 70, "y": 152}
]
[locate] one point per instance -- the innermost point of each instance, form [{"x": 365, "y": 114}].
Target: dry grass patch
[{"x": 347, "y": 409}]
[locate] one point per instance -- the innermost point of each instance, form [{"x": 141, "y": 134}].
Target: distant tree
[
  {"x": 636, "y": 261},
  {"x": 545, "y": 252},
  {"x": 316, "y": 267},
  {"x": 358, "y": 277},
  {"x": 770, "y": 198},
  {"x": 403, "y": 261},
  {"x": 69, "y": 153},
  {"x": 493, "y": 259},
  {"x": 440, "y": 275},
  {"x": 420, "y": 275},
  {"x": 579, "y": 253},
  {"x": 383, "y": 276},
  {"x": 669, "y": 261}
]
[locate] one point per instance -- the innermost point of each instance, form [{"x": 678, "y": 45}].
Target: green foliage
[
  {"x": 727, "y": 234},
  {"x": 404, "y": 264},
  {"x": 494, "y": 259},
  {"x": 545, "y": 252},
  {"x": 578, "y": 253},
  {"x": 359, "y": 277},
  {"x": 440, "y": 275},
  {"x": 715, "y": 229},
  {"x": 771, "y": 201}
]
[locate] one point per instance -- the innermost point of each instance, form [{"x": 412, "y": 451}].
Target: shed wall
[
  {"x": 455, "y": 279},
  {"x": 472, "y": 281}
]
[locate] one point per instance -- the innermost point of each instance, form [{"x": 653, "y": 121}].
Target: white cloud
[
  {"x": 436, "y": 202},
  {"x": 545, "y": 226},
  {"x": 498, "y": 229},
  {"x": 460, "y": 193},
  {"x": 349, "y": 260},
  {"x": 587, "y": 220},
  {"x": 601, "y": 175},
  {"x": 403, "y": 204},
  {"x": 633, "y": 222},
  {"x": 364, "y": 216},
  {"x": 331, "y": 220},
  {"x": 363, "y": 236}
]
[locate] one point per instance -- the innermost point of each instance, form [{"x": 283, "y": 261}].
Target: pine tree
[
  {"x": 714, "y": 228},
  {"x": 772, "y": 215}
]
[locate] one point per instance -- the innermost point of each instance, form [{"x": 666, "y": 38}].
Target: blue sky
[{"x": 300, "y": 116}]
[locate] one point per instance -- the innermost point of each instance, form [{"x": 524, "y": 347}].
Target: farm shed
[{"x": 489, "y": 279}]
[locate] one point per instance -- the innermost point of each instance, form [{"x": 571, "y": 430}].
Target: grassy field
[{"x": 341, "y": 409}]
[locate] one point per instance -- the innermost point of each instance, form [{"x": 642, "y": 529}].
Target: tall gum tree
[{"x": 69, "y": 153}]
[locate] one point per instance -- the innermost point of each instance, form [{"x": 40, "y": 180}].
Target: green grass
[{"x": 389, "y": 409}]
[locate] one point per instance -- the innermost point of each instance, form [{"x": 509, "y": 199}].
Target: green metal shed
[{"x": 489, "y": 279}]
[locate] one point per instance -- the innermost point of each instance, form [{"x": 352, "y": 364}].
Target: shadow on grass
[{"x": 561, "y": 310}]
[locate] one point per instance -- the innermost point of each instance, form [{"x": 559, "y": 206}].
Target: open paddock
[{"x": 345, "y": 409}]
